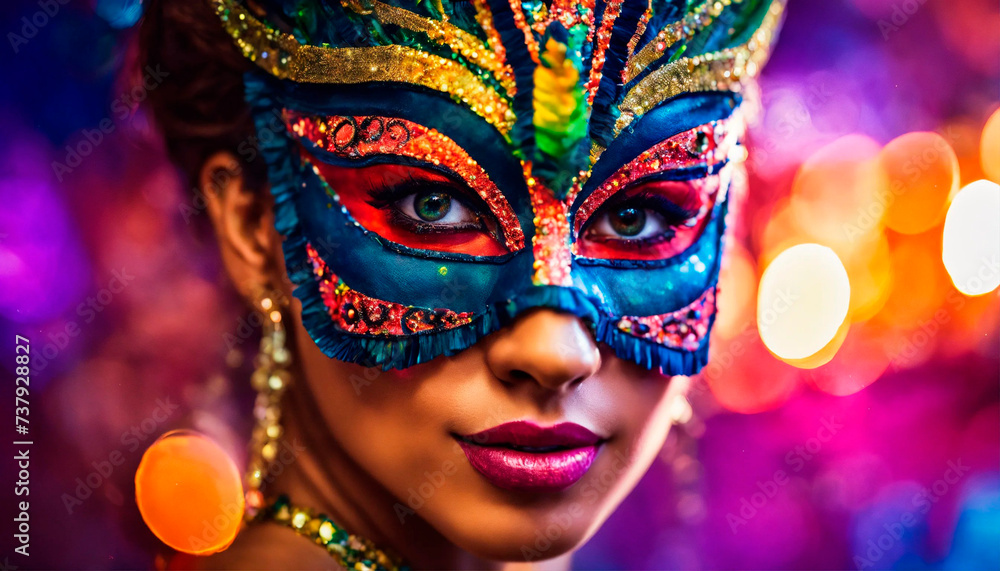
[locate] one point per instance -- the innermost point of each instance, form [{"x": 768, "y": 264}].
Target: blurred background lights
[
  {"x": 802, "y": 301},
  {"x": 185, "y": 479},
  {"x": 989, "y": 147},
  {"x": 923, "y": 173},
  {"x": 971, "y": 244},
  {"x": 119, "y": 13},
  {"x": 837, "y": 195}
]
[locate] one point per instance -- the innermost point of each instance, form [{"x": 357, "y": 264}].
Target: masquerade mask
[{"x": 440, "y": 167}]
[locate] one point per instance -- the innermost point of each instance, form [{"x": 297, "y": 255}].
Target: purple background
[{"x": 107, "y": 269}]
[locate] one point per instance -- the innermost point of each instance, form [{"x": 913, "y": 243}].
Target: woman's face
[
  {"x": 589, "y": 425},
  {"x": 509, "y": 303},
  {"x": 513, "y": 417}
]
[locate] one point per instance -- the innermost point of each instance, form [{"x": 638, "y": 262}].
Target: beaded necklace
[{"x": 351, "y": 552}]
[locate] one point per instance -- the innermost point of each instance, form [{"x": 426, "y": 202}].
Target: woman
[{"x": 492, "y": 232}]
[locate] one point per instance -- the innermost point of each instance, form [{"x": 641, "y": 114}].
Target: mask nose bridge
[{"x": 563, "y": 299}]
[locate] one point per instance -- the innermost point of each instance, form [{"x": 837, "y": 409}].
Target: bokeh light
[
  {"x": 923, "y": 173},
  {"x": 989, "y": 147},
  {"x": 190, "y": 493},
  {"x": 837, "y": 198},
  {"x": 802, "y": 301},
  {"x": 737, "y": 292},
  {"x": 971, "y": 243},
  {"x": 859, "y": 361},
  {"x": 744, "y": 377},
  {"x": 909, "y": 378},
  {"x": 920, "y": 282}
]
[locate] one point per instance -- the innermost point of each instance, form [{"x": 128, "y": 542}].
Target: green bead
[
  {"x": 281, "y": 509},
  {"x": 339, "y": 535}
]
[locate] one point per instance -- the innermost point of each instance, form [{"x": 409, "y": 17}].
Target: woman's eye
[
  {"x": 414, "y": 207},
  {"x": 628, "y": 223},
  {"x": 432, "y": 206},
  {"x": 655, "y": 220},
  {"x": 439, "y": 208}
]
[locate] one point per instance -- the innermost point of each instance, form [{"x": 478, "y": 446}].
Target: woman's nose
[{"x": 550, "y": 348}]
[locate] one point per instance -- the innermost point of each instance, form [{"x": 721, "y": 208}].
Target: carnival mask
[{"x": 441, "y": 166}]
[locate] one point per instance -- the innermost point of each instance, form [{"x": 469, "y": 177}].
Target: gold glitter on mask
[
  {"x": 461, "y": 42},
  {"x": 717, "y": 71},
  {"x": 672, "y": 33},
  {"x": 281, "y": 55}
]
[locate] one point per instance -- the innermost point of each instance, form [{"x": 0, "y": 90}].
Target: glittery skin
[
  {"x": 682, "y": 329},
  {"x": 357, "y": 137},
  {"x": 355, "y": 312}
]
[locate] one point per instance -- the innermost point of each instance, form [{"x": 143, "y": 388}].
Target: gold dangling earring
[{"x": 270, "y": 379}]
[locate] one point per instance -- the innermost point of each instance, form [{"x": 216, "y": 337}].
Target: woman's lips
[{"x": 525, "y": 457}]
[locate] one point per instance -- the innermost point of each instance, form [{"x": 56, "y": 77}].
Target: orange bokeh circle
[
  {"x": 923, "y": 173},
  {"x": 989, "y": 147},
  {"x": 190, "y": 493}
]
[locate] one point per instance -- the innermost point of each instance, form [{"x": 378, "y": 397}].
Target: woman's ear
[{"x": 244, "y": 226}]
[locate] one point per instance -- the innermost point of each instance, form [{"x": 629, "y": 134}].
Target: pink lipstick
[{"x": 525, "y": 457}]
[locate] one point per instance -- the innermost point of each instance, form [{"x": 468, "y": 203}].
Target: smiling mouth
[{"x": 525, "y": 457}]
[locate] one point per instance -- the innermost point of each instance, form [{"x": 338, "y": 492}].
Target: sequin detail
[
  {"x": 351, "y": 552},
  {"x": 611, "y": 13},
  {"x": 355, "y": 312},
  {"x": 723, "y": 70},
  {"x": 356, "y": 137},
  {"x": 551, "y": 242},
  {"x": 683, "y": 29},
  {"x": 484, "y": 17},
  {"x": 540, "y": 15},
  {"x": 702, "y": 146},
  {"x": 281, "y": 55},
  {"x": 458, "y": 40},
  {"x": 682, "y": 329}
]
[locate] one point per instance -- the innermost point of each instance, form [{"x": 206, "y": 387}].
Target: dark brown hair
[{"x": 199, "y": 108}]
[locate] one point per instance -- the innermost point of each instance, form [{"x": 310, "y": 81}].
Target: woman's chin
[
  {"x": 522, "y": 545},
  {"x": 518, "y": 533}
]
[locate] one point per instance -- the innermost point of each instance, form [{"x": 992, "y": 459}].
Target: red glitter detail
[
  {"x": 484, "y": 16},
  {"x": 569, "y": 13},
  {"x": 355, "y": 312},
  {"x": 365, "y": 136},
  {"x": 704, "y": 145},
  {"x": 681, "y": 329},
  {"x": 522, "y": 24},
  {"x": 551, "y": 242},
  {"x": 611, "y": 13}
]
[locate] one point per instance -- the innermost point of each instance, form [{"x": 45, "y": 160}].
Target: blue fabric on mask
[{"x": 497, "y": 289}]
